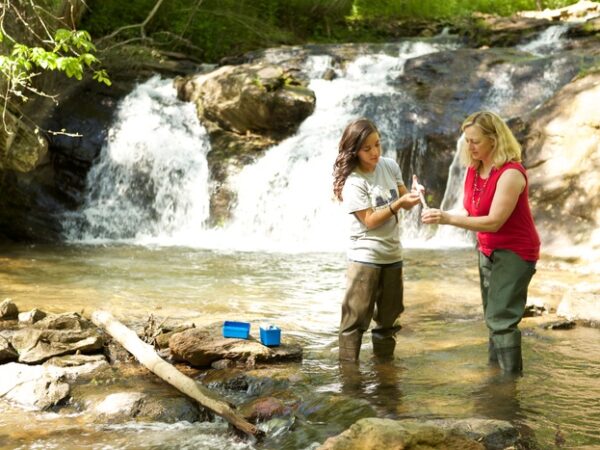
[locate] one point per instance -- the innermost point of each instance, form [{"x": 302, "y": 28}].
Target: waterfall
[
  {"x": 152, "y": 177},
  {"x": 547, "y": 42}
]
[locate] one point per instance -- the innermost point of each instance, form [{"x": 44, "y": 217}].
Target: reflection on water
[{"x": 440, "y": 370}]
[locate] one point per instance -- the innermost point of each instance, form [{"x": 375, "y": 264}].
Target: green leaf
[
  {"x": 102, "y": 77},
  {"x": 62, "y": 35},
  {"x": 88, "y": 59}
]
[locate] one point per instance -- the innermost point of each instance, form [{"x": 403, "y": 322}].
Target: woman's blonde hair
[{"x": 506, "y": 147}]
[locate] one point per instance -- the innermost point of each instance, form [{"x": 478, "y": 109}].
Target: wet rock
[
  {"x": 373, "y": 433},
  {"x": 125, "y": 406},
  {"x": 39, "y": 387},
  {"x": 254, "y": 98},
  {"x": 560, "y": 325},
  {"x": 443, "y": 94},
  {"x": 263, "y": 408},
  {"x": 31, "y": 317},
  {"x": 330, "y": 74},
  {"x": 493, "y": 434},
  {"x": 223, "y": 364},
  {"x": 7, "y": 352},
  {"x": 171, "y": 410},
  {"x": 202, "y": 346},
  {"x": 8, "y": 310},
  {"x": 162, "y": 339},
  {"x": 77, "y": 361},
  {"x": 118, "y": 407},
  {"x": 561, "y": 145},
  {"x": 65, "y": 321},
  {"x": 580, "y": 306},
  {"x": 36, "y": 346},
  {"x": 22, "y": 148}
]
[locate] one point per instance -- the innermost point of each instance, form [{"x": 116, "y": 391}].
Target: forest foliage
[
  {"x": 212, "y": 29},
  {"x": 76, "y": 37}
]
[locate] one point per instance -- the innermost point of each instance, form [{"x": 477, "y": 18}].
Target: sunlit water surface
[{"x": 440, "y": 369}]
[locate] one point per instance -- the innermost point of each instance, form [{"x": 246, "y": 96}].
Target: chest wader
[
  {"x": 372, "y": 292},
  {"x": 504, "y": 279}
]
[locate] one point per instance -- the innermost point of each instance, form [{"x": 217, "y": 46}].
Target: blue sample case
[{"x": 240, "y": 330}]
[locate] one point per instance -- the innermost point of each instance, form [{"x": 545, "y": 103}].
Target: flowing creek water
[{"x": 440, "y": 369}]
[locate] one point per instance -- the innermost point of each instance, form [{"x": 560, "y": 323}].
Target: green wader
[
  {"x": 504, "y": 278},
  {"x": 371, "y": 293}
]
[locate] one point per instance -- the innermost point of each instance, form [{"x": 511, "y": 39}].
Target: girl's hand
[
  {"x": 409, "y": 200},
  {"x": 434, "y": 216}
]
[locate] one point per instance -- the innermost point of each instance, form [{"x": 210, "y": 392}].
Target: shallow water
[{"x": 440, "y": 369}]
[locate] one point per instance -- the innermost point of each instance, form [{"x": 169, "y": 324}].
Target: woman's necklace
[{"x": 478, "y": 189}]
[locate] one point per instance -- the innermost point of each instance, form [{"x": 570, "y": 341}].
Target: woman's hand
[
  {"x": 434, "y": 216},
  {"x": 407, "y": 201}
]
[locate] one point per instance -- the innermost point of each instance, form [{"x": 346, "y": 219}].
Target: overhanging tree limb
[{"x": 141, "y": 26}]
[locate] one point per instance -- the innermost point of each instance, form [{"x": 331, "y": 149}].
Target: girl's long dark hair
[{"x": 352, "y": 140}]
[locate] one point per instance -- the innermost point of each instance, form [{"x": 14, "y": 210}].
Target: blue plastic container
[
  {"x": 240, "y": 330},
  {"x": 270, "y": 336}
]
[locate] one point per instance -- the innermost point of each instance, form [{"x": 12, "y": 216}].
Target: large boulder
[
  {"x": 127, "y": 406},
  {"x": 254, "y": 98},
  {"x": 56, "y": 335},
  {"x": 375, "y": 434},
  {"x": 7, "y": 352},
  {"x": 8, "y": 310},
  {"x": 22, "y": 148},
  {"x": 562, "y": 148},
  {"x": 44, "y": 386},
  {"x": 245, "y": 109},
  {"x": 202, "y": 346}
]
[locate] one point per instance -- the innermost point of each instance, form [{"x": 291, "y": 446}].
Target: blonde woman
[{"x": 496, "y": 206}]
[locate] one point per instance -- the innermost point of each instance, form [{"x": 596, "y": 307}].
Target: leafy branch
[{"x": 70, "y": 52}]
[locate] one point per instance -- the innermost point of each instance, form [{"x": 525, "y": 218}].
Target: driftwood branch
[{"x": 147, "y": 356}]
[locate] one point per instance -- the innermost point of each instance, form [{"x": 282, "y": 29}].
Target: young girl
[{"x": 371, "y": 190}]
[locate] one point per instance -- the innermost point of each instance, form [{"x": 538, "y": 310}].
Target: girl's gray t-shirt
[{"x": 375, "y": 190}]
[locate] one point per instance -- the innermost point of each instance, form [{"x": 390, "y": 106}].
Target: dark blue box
[
  {"x": 240, "y": 330},
  {"x": 270, "y": 336}
]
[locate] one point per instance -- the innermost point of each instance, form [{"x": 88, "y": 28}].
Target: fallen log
[{"x": 149, "y": 358}]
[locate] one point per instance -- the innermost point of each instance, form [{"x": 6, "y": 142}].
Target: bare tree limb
[{"x": 141, "y": 26}]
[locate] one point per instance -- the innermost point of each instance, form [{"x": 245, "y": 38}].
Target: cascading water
[
  {"x": 152, "y": 176},
  {"x": 550, "y": 40}
]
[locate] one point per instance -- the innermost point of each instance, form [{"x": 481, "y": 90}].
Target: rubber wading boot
[
  {"x": 350, "y": 346},
  {"x": 383, "y": 347},
  {"x": 510, "y": 359},
  {"x": 492, "y": 353}
]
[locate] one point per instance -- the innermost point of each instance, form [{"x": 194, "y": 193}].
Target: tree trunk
[{"x": 147, "y": 356}]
